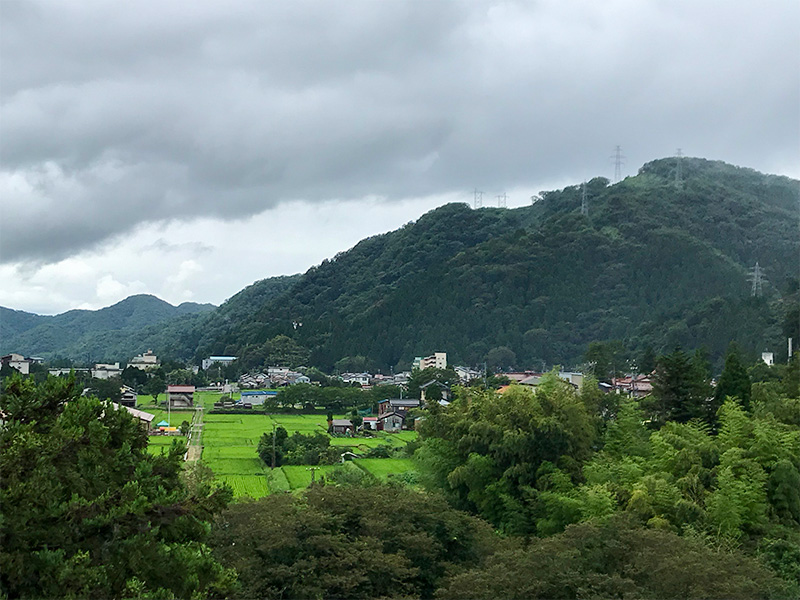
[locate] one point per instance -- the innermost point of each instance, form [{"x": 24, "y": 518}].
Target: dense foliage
[
  {"x": 614, "y": 560},
  {"x": 651, "y": 265},
  {"x": 536, "y": 463},
  {"x": 296, "y": 449},
  {"x": 87, "y": 512},
  {"x": 348, "y": 542}
]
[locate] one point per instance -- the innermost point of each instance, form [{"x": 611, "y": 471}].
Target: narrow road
[{"x": 195, "y": 442}]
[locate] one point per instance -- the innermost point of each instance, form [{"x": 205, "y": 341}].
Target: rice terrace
[{"x": 229, "y": 448}]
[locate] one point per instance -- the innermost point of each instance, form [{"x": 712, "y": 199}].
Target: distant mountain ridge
[
  {"x": 656, "y": 262},
  {"x": 59, "y": 335}
]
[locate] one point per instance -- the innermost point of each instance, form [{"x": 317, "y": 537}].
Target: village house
[
  {"x": 370, "y": 423},
  {"x": 180, "y": 396},
  {"x": 424, "y": 390},
  {"x": 18, "y": 362},
  {"x": 128, "y": 398},
  {"x": 342, "y": 426},
  {"x": 145, "y": 419},
  {"x": 397, "y": 405},
  {"x": 635, "y": 386},
  {"x": 391, "y": 422},
  {"x": 465, "y": 374},
  {"x": 362, "y": 379}
]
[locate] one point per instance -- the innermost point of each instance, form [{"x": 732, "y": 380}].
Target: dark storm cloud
[{"x": 115, "y": 114}]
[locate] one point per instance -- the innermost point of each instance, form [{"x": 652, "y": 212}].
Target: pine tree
[{"x": 734, "y": 380}]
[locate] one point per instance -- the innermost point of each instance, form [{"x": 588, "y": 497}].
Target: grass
[
  {"x": 230, "y": 441},
  {"x": 383, "y": 467},
  {"x": 254, "y": 486},
  {"x": 299, "y": 476}
]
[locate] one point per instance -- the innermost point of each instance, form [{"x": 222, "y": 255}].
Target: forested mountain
[
  {"x": 82, "y": 333},
  {"x": 654, "y": 263}
]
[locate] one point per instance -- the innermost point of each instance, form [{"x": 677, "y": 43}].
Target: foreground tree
[
  {"x": 488, "y": 452},
  {"x": 617, "y": 560},
  {"x": 366, "y": 541},
  {"x": 88, "y": 512}
]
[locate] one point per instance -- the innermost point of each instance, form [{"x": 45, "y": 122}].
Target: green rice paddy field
[{"x": 230, "y": 442}]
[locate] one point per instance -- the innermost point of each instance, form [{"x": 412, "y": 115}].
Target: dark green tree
[
  {"x": 734, "y": 380},
  {"x": 154, "y": 387},
  {"x": 87, "y": 512},
  {"x": 681, "y": 389}
]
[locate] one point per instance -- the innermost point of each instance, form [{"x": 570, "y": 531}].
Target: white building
[
  {"x": 18, "y": 362},
  {"x": 145, "y": 361},
  {"x": 768, "y": 358},
  {"x": 106, "y": 370},
  {"x": 217, "y": 360},
  {"x": 437, "y": 360},
  {"x": 361, "y": 379}
]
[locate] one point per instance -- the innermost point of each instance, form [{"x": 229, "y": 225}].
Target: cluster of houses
[
  {"x": 274, "y": 377},
  {"x": 145, "y": 362}
]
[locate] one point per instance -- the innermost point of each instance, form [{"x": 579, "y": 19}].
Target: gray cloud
[{"x": 118, "y": 114}]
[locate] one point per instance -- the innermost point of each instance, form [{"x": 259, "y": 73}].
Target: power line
[
  {"x": 502, "y": 200},
  {"x": 619, "y": 160},
  {"x": 756, "y": 279},
  {"x": 477, "y": 200},
  {"x": 584, "y": 201}
]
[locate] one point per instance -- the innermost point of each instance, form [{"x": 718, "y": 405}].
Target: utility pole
[
  {"x": 679, "y": 170},
  {"x": 313, "y": 472},
  {"x": 273, "y": 445},
  {"x": 584, "y": 201},
  {"x": 756, "y": 277},
  {"x": 501, "y": 200},
  {"x": 619, "y": 160},
  {"x": 477, "y": 199}
]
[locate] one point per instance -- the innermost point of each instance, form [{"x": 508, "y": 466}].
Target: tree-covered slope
[
  {"x": 86, "y": 333},
  {"x": 653, "y": 263}
]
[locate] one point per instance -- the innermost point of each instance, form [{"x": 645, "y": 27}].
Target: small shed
[
  {"x": 391, "y": 422},
  {"x": 342, "y": 426},
  {"x": 180, "y": 396},
  {"x": 370, "y": 423}
]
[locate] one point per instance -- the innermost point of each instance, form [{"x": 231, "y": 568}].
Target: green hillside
[
  {"x": 652, "y": 264},
  {"x": 82, "y": 334}
]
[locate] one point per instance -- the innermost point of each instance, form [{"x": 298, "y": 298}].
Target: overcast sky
[{"x": 187, "y": 149}]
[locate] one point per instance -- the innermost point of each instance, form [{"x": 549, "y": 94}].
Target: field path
[{"x": 195, "y": 449}]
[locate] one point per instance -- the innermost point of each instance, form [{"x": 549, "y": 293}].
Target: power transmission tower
[
  {"x": 502, "y": 200},
  {"x": 756, "y": 278},
  {"x": 477, "y": 201},
  {"x": 619, "y": 160},
  {"x": 584, "y": 201},
  {"x": 679, "y": 170}
]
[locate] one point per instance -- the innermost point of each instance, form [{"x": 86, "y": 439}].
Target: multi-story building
[
  {"x": 145, "y": 361},
  {"x": 437, "y": 360}
]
